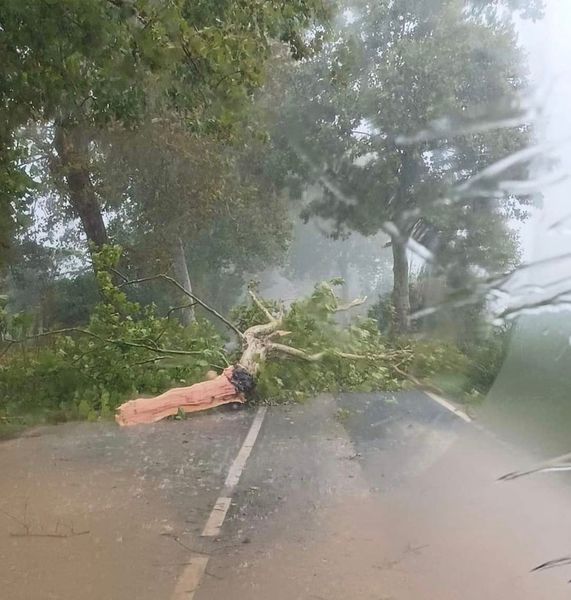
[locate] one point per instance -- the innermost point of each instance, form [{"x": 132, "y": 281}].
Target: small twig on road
[
  {"x": 410, "y": 549},
  {"x": 49, "y": 535},
  {"x": 210, "y": 574},
  {"x": 16, "y": 520},
  {"x": 27, "y": 533}
]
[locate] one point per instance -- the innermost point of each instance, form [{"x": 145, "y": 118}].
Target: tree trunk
[
  {"x": 344, "y": 271},
  {"x": 181, "y": 273},
  {"x": 401, "y": 292},
  {"x": 200, "y": 396},
  {"x": 72, "y": 145}
]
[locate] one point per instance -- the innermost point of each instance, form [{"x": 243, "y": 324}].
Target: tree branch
[
  {"x": 180, "y": 287},
  {"x": 261, "y": 306},
  {"x": 10, "y": 344},
  {"x": 119, "y": 274},
  {"x": 352, "y": 304},
  {"x": 340, "y": 308},
  {"x": 152, "y": 348},
  {"x": 561, "y": 298},
  {"x": 289, "y": 351},
  {"x": 226, "y": 77},
  {"x": 279, "y": 333},
  {"x": 175, "y": 308},
  {"x": 351, "y": 356},
  {"x": 134, "y": 15},
  {"x": 260, "y": 330},
  {"x": 50, "y": 535}
]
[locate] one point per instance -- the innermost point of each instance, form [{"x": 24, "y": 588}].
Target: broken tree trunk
[
  {"x": 200, "y": 396},
  {"x": 235, "y": 382},
  {"x": 228, "y": 387}
]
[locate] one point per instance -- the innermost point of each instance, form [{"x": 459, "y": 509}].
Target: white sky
[{"x": 548, "y": 43}]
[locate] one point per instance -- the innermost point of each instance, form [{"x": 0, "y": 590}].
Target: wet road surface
[{"x": 365, "y": 496}]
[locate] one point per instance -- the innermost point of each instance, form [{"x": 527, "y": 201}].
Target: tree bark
[
  {"x": 200, "y": 396},
  {"x": 72, "y": 146},
  {"x": 182, "y": 275},
  {"x": 401, "y": 291},
  {"x": 345, "y": 274}
]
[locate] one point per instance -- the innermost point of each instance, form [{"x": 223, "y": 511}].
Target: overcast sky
[{"x": 548, "y": 43}]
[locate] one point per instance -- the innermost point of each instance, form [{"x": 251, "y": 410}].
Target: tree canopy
[
  {"x": 100, "y": 61},
  {"x": 391, "y": 127}
]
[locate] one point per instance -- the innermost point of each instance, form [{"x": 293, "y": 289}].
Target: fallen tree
[
  {"x": 128, "y": 350},
  {"x": 259, "y": 344},
  {"x": 200, "y": 396}
]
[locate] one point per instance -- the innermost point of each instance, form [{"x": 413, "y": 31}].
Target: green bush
[
  {"x": 486, "y": 358},
  {"x": 86, "y": 373},
  {"x": 462, "y": 372},
  {"x": 432, "y": 357}
]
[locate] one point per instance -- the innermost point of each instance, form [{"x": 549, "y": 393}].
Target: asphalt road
[{"x": 364, "y": 496}]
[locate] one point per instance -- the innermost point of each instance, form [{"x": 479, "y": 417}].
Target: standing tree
[
  {"x": 192, "y": 205},
  {"x": 99, "y": 61},
  {"x": 395, "y": 121}
]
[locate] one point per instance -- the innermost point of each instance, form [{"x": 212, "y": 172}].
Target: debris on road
[{"x": 200, "y": 396}]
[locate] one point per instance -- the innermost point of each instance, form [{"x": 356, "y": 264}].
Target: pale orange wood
[{"x": 200, "y": 396}]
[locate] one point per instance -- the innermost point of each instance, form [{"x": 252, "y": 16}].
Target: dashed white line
[
  {"x": 240, "y": 461},
  {"x": 459, "y": 413},
  {"x": 190, "y": 579},
  {"x": 216, "y": 518}
]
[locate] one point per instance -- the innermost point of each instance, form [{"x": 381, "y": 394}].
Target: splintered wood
[
  {"x": 197, "y": 397},
  {"x": 257, "y": 345}
]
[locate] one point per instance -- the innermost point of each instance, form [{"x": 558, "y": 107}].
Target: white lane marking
[
  {"x": 449, "y": 406},
  {"x": 216, "y": 518},
  {"x": 218, "y": 513},
  {"x": 240, "y": 461},
  {"x": 190, "y": 578}
]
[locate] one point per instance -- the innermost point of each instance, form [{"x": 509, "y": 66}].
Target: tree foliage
[
  {"x": 127, "y": 349},
  {"x": 122, "y": 351},
  {"x": 315, "y": 329},
  {"x": 189, "y": 131},
  {"x": 395, "y": 105},
  {"x": 99, "y": 61},
  {"x": 168, "y": 183}
]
